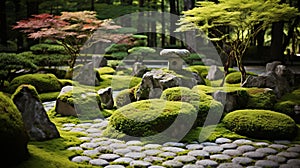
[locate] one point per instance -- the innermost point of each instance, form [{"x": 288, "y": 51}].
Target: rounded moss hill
[
  {"x": 235, "y": 77},
  {"x": 261, "y": 124},
  {"x": 150, "y": 117},
  {"x": 42, "y": 82},
  {"x": 14, "y": 138}
]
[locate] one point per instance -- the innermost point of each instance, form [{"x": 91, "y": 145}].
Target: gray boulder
[
  {"x": 138, "y": 69},
  {"x": 106, "y": 97},
  {"x": 86, "y": 75},
  {"x": 35, "y": 118},
  {"x": 214, "y": 73}
]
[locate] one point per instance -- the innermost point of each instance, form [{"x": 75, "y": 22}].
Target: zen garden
[{"x": 157, "y": 83}]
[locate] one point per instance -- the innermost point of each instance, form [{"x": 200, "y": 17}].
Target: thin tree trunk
[
  {"x": 163, "y": 25},
  {"x": 92, "y": 5},
  {"x": 277, "y": 42},
  {"x": 173, "y": 22}
]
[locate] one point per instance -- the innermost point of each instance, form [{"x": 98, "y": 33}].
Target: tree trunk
[
  {"x": 3, "y": 24},
  {"x": 277, "y": 42},
  {"x": 163, "y": 25},
  {"x": 189, "y": 4},
  {"x": 140, "y": 27},
  {"x": 92, "y": 5},
  {"x": 32, "y": 8},
  {"x": 18, "y": 16},
  {"x": 173, "y": 22}
]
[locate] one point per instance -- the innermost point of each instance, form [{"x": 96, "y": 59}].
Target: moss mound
[
  {"x": 106, "y": 70},
  {"x": 287, "y": 103},
  {"x": 42, "y": 82},
  {"x": 149, "y": 117},
  {"x": 260, "y": 98},
  {"x": 235, "y": 77},
  {"x": 261, "y": 124},
  {"x": 14, "y": 138}
]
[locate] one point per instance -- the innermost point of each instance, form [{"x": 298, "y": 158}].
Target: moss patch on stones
[
  {"x": 287, "y": 103},
  {"x": 261, "y": 124}
]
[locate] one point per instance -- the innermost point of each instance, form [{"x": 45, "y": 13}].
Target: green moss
[
  {"x": 106, "y": 70},
  {"x": 180, "y": 94},
  {"x": 235, "y": 77},
  {"x": 149, "y": 117},
  {"x": 12, "y": 133},
  {"x": 261, "y": 124},
  {"x": 51, "y": 96},
  {"x": 125, "y": 97},
  {"x": 66, "y": 82},
  {"x": 201, "y": 70},
  {"x": 260, "y": 98},
  {"x": 287, "y": 102},
  {"x": 29, "y": 88},
  {"x": 141, "y": 50},
  {"x": 42, "y": 82}
]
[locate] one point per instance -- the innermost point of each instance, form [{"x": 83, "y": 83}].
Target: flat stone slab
[
  {"x": 254, "y": 155},
  {"x": 192, "y": 166},
  {"x": 199, "y": 153},
  {"x": 136, "y": 155},
  {"x": 172, "y": 149},
  {"x": 174, "y": 144},
  {"x": 294, "y": 149},
  {"x": 109, "y": 157},
  {"x": 99, "y": 162},
  {"x": 213, "y": 149},
  {"x": 172, "y": 163},
  {"x": 140, "y": 163},
  {"x": 134, "y": 143},
  {"x": 207, "y": 163},
  {"x": 223, "y": 140},
  {"x": 80, "y": 159},
  {"x": 232, "y": 152},
  {"x": 246, "y": 148},
  {"x": 123, "y": 161},
  {"x": 185, "y": 159},
  {"x": 90, "y": 152},
  {"x": 194, "y": 147},
  {"x": 229, "y": 146},
  {"x": 278, "y": 146},
  {"x": 229, "y": 165},
  {"x": 242, "y": 161},
  {"x": 167, "y": 155},
  {"x": 152, "y": 146},
  {"x": 114, "y": 166},
  {"x": 266, "y": 164},
  {"x": 268, "y": 151},
  {"x": 135, "y": 148},
  {"x": 220, "y": 157},
  {"x": 275, "y": 158},
  {"x": 89, "y": 145},
  {"x": 294, "y": 162},
  {"x": 122, "y": 152},
  {"x": 242, "y": 142},
  {"x": 289, "y": 155},
  {"x": 152, "y": 152},
  {"x": 152, "y": 159}
]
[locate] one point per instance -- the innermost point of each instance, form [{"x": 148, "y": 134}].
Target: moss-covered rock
[
  {"x": 261, "y": 98},
  {"x": 125, "y": 97},
  {"x": 150, "y": 117},
  {"x": 261, "y": 124},
  {"x": 235, "y": 77},
  {"x": 106, "y": 70},
  {"x": 42, "y": 82},
  {"x": 14, "y": 138}
]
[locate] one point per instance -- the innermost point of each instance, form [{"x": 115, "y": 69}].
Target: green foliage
[
  {"x": 261, "y": 124},
  {"x": 47, "y": 49},
  {"x": 117, "y": 48},
  {"x": 31, "y": 88},
  {"x": 119, "y": 55},
  {"x": 260, "y": 98},
  {"x": 141, "y": 50},
  {"x": 12, "y": 133},
  {"x": 201, "y": 70},
  {"x": 50, "y": 96},
  {"x": 235, "y": 77},
  {"x": 42, "y": 82},
  {"x": 149, "y": 117}
]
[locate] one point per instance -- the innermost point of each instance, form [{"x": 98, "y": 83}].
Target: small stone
[
  {"x": 85, "y": 139},
  {"x": 229, "y": 165},
  {"x": 134, "y": 143},
  {"x": 93, "y": 130},
  {"x": 192, "y": 166},
  {"x": 278, "y": 146},
  {"x": 213, "y": 149},
  {"x": 156, "y": 166},
  {"x": 123, "y": 161},
  {"x": 261, "y": 144},
  {"x": 109, "y": 157},
  {"x": 220, "y": 157},
  {"x": 114, "y": 166},
  {"x": 122, "y": 151},
  {"x": 104, "y": 143},
  {"x": 174, "y": 144},
  {"x": 286, "y": 166},
  {"x": 90, "y": 152},
  {"x": 69, "y": 125},
  {"x": 209, "y": 144},
  {"x": 172, "y": 163},
  {"x": 246, "y": 148},
  {"x": 80, "y": 159},
  {"x": 244, "y": 161},
  {"x": 242, "y": 142},
  {"x": 207, "y": 163},
  {"x": 232, "y": 152},
  {"x": 95, "y": 135},
  {"x": 289, "y": 155},
  {"x": 135, "y": 148},
  {"x": 194, "y": 146},
  {"x": 104, "y": 149},
  {"x": 152, "y": 152},
  {"x": 254, "y": 155},
  {"x": 167, "y": 155},
  {"x": 229, "y": 146},
  {"x": 275, "y": 158},
  {"x": 266, "y": 164},
  {"x": 286, "y": 142},
  {"x": 117, "y": 145},
  {"x": 140, "y": 163},
  {"x": 75, "y": 148},
  {"x": 135, "y": 155},
  {"x": 223, "y": 140},
  {"x": 268, "y": 151},
  {"x": 199, "y": 153},
  {"x": 294, "y": 162},
  {"x": 152, "y": 146},
  {"x": 99, "y": 162},
  {"x": 294, "y": 149},
  {"x": 77, "y": 130},
  {"x": 88, "y": 145},
  {"x": 173, "y": 149},
  {"x": 153, "y": 159},
  {"x": 185, "y": 159}
]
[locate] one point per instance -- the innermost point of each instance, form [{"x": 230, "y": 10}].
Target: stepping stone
[
  {"x": 289, "y": 155},
  {"x": 99, "y": 162},
  {"x": 174, "y": 144},
  {"x": 135, "y": 155},
  {"x": 167, "y": 155},
  {"x": 95, "y": 135},
  {"x": 88, "y": 145},
  {"x": 213, "y": 149},
  {"x": 118, "y": 145},
  {"x": 109, "y": 157},
  {"x": 275, "y": 158},
  {"x": 253, "y": 167},
  {"x": 244, "y": 161},
  {"x": 199, "y": 154},
  {"x": 105, "y": 149},
  {"x": 90, "y": 152},
  {"x": 267, "y": 164},
  {"x": 242, "y": 142},
  {"x": 114, "y": 166},
  {"x": 140, "y": 163},
  {"x": 254, "y": 155},
  {"x": 207, "y": 163},
  {"x": 223, "y": 140},
  {"x": 152, "y": 152},
  {"x": 87, "y": 139},
  {"x": 122, "y": 151},
  {"x": 104, "y": 143},
  {"x": 220, "y": 157},
  {"x": 192, "y": 166},
  {"x": 286, "y": 142},
  {"x": 194, "y": 147},
  {"x": 93, "y": 130},
  {"x": 287, "y": 166},
  {"x": 84, "y": 125},
  {"x": 294, "y": 162},
  {"x": 261, "y": 144},
  {"x": 209, "y": 144},
  {"x": 229, "y": 165},
  {"x": 80, "y": 159},
  {"x": 229, "y": 146},
  {"x": 123, "y": 161},
  {"x": 156, "y": 167},
  {"x": 172, "y": 163},
  {"x": 77, "y": 130},
  {"x": 278, "y": 146},
  {"x": 172, "y": 149},
  {"x": 134, "y": 143},
  {"x": 69, "y": 125},
  {"x": 75, "y": 148},
  {"x": 152, "y": 146},
  {"x": 152, "y": 159},
  {"x": 185, "y": 159},
  {"x": 135, "y": 148},
  {"x": 232, "y": 152},
  {"x": 246, "y": 148},
  {"x": 268, "y": 151},
  {"x": 294, "y": 149}
]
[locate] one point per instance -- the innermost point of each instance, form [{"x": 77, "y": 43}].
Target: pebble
[
  {"x": 242, "y": 142},
  {"x": 254, "y": 155},
  {"x": 220, "y": 157},
  {"x": 229, "y": 146},
  {"x": 172, "y": 163},
  {"x": 152, "y": 152},
  {"x": 167, "y": 155},
  {"x": 140, "y": 163},
  {"x": 114, "y": 166},
  {"x": 199, "y": 153},
  {"x": 222, "y": 140},
  {"x": 172, "y": 149},
  {"x": 289, "y": 155},
  {"x": 99, "y": 162},
  {"x": 278, "y": 159},
  {"x": 246, "y": 148},
  {"x": 135, "y": 155},
  {"x": 80, "y": 159},
  {"x": 194, "y": 147},
  {"x": 207, "y": 163},
  {"x": 278, "y": 146},
  {"x": 109, "y": 157},
  {"x": 213, "y": 149},
  {"x": 192, "y": 166},
  {"x": 121, "y": 161},
  {"x": 242, "y": 161},
  {"x": 294, "y": 149},
  {"x": 268, "y": 151},
  {"x": 185, "y": 159},
  {"x": 266, "y": 164},
  {"x": 229, "y": 165}
]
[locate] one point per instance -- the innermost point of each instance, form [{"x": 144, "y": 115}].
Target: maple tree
[{"x": 70, "y": 29}]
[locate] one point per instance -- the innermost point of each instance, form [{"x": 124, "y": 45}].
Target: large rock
[
  {"x": 35, "y": 118},
  {"x": 14, "y": 138},
  {"x": 106, "y": 97},
  {"x": 86, "y": 75},
  {"x": 214, "y": 73},
  {"x": 138, "y": 69}
]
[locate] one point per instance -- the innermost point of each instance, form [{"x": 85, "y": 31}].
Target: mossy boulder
[
  {"x": 151, "y": 117},
  {"x": 261, "y": 98},
  {"x": 235, "y": 77},
  {"x": 14, "y": 138},
  {"x": 125, "y": 97},
  {"x": 42, "y": 82},
  {"x": 106, "y": 70},
  {"x": 261, "y": 124}
]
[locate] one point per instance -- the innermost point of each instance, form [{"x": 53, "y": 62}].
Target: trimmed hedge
[
  {"x": 261, "y": 124},
  {"x": 149, "y": 117},
  {"x": 42, "y": 82},
  {"x": 14, "y": 138}
]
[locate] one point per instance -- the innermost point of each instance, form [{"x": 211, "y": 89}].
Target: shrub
[
  {"x": 261, "y": 124},
  {"x": 117, "y": 48},
  {"x": 149, "y": 117},
  {"x": 141, "y": 50},
  {"x": 235, "y": 77},
  {"x": 12, "y": 132},
  {"x": 119, "y": 55},
  {"x": 42, "y": 82},
  {"x": 47, "y": 49}
]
